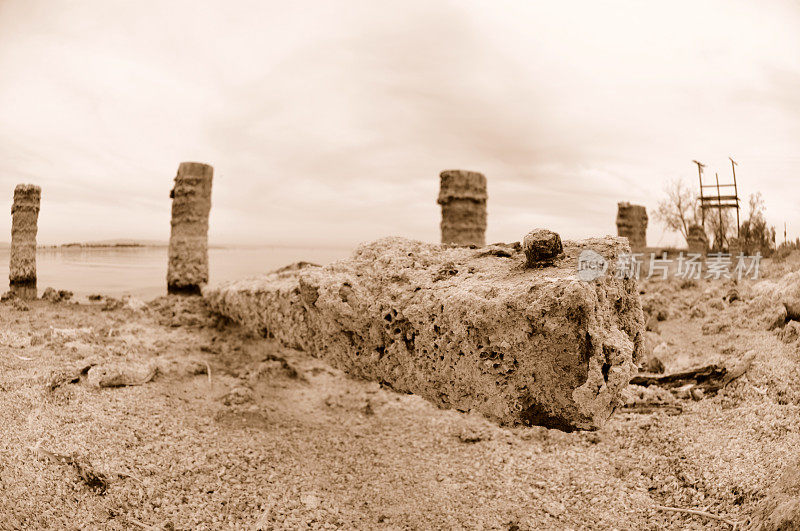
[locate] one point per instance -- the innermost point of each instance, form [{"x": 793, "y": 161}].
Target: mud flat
[{"x": 467, "y": 329}]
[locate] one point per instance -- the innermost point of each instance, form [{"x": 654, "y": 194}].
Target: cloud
[{"x": 328, "y": 122}]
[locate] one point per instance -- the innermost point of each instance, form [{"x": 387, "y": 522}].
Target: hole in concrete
[{"x": 606, "y": 367}]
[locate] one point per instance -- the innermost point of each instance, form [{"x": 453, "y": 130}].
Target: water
[{"x": 142, "y": 271}]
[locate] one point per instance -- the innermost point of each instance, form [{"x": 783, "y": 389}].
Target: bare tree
[
  {"x": 679, "y": 210},
  {"x": 756, "y": 236}
]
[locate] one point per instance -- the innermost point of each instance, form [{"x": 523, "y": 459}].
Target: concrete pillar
[
  {"x": 462, "y": 195},
  {"x": 632, "y": 224},
  {"x": 24, "y": 217},
  {"x": 697, "y": 240},
  {"x": 188, "y": 242}
]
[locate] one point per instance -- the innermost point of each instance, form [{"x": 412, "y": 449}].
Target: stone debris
[
  {"x": 24, "y": 218},
  {"x": 541, "y": 247},
  {"x": 715, "y": 326},
  {"x": 462, "y": 195},
  {"x": 632, "y": 224},
  {"x": 188, "y": 243},
  {"x": 51, "y": 295},
  {"x": 774, "y": 303},
  {"x": 120, "y": 374},
  {"x": 790, "y": 333},
  {"x": 518, "y": 345},
  {"x": 653, "y": 363},
  {"x": 697, "y": 240}
]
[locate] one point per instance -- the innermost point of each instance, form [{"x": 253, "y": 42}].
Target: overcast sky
[{"x": 327, "y": 122}]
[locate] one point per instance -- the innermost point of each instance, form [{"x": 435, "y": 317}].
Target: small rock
[
  {"x": 776, "y": 317},
  {"x": 8, "y": 296},
  {"x": 112, "y": 304},
  {"x": 640, "y": 395},
  {"x": 541, "y": 247},
  {"x": 792, "y": 308},
  {"x": 133, "y": 304},
  {"x": 697, "y": 312},
  {"x": 653, "y": 363},
  {"x": 715, "y": 327},
  {"x": 474, "y": 429},
  {"x": 656, "y": 305},
  {"x": 238, "y": 395},
  {"x": 790, "y": 333},
  {"x": 732, "y": 295},
  {"x": 554, "y": 508},
  {"x": 120, "y": 374},
  {"x": 310, "y": 501},
  {"x": 652, "y": 324},
  {"x": 54, "y": 296},
  {"x": 20, "y": 305}
]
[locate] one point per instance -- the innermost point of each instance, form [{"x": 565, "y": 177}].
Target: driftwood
[{"x": 705, "y": 380}]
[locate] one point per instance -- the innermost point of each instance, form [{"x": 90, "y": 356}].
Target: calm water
[{"x": 142, "y": 271}]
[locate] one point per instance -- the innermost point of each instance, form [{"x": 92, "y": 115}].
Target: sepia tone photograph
[{"x": 421, "y": 265}]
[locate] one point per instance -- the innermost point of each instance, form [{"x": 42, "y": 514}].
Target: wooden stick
[
  {"x": 696, "y": 513},
  {"x": 208, "y": 371}
]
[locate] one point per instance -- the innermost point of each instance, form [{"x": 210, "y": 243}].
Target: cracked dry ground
[{"x": 275, "y": 439}]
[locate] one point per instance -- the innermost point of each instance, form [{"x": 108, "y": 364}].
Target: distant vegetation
[{"x": 680, "y": 209}]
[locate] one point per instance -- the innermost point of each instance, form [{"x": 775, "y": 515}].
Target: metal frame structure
[{"x": 718, "y": 201}]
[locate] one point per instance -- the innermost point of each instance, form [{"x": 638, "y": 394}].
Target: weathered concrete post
[
  {"x": 188, "y": 242},
  {"x": 632, "y": 224},
  {"x": 24, "y": 217},
  {"x": 462, "y": 195},
  {"x": 697, "y": 240}
]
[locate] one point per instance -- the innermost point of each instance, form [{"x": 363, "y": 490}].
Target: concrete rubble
[
  {"x": 466, "y": 329},
  {"x": 541, "y": 247}
]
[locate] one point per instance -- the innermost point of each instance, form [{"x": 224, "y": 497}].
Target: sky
[{"x": 328, "y": 122}]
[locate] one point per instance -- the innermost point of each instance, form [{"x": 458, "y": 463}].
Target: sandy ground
[{"x": 275, "y": 439}]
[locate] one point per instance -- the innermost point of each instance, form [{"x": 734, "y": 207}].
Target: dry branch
[
  {"x": 708, "y": 378},
  {"x": 695, "y": 512}
]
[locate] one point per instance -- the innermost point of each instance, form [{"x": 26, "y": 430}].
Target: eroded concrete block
[
  {"x": 188, "y": 243},
  {"x": 465, "y": 328},
  {"x": 462, "y": 195},
  {"x": 632, "y": 224},
  {"x": 24, "y": 218}
]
